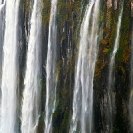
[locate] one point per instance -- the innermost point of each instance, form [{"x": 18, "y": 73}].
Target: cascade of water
[
  {"x": 10, "y": 69},
  {"x": 1, "y": 24},
  {"x": 31, "y": 94},
  {"x": 1, "y": 41},
  {"x": 1, "y": 35},
  {"x": 110, "y": 79},
  {"x": 1, "y": 7},
  {"x": 83, "y": 89},
  {"x": 50, "y": 69}
]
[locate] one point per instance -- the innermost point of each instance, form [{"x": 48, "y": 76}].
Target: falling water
[
  {"x": 1, "y": 22},
  {"x": 50, "y": 69},
  {"x": 110, "y": 79},
  {"x": 83, "y": 90},
  {"x": 1, "y": 41},
  {"x": 1, "y": 1},
  {"x": 1, "y": 36},
  {"x": 10, "y": 69},
  {"x": 31, "y": 94}
]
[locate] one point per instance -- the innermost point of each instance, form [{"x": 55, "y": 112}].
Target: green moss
[
  {"x": 64, "y": 124},
  {"x": 46, "y": 11},
  {"x": 124, "y": 34}
]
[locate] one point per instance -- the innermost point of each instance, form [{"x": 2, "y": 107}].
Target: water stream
[
  {"x": 10, "y": 69},
  {"x": 111, "y": 76},
  {"x": 50, "y": 69},
  {"x": 83, "y": 89},
  {"x": 31, "y": 94}
]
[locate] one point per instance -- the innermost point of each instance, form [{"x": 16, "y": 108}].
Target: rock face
[
  {"x": 68, "y": 19},
  {"x": 121, "y": 87}
]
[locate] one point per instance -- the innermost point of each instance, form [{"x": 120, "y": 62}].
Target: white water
[
  {"x": 1, "y": 37},
  {"x": 83, "y": 89},
  {"x": 50, "y": 69},
  {"x": 111, "y": 69},
  {"x": 1, "y": 43},
  {"x": 1, "y": 23},
  {"x": 10, "y": 69},
  {"x": 31, "y": 94}
]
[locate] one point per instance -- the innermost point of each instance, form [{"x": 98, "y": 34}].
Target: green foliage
[{"x": 107, "y": 51}]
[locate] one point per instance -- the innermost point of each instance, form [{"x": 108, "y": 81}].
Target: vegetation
[{"x": 69, "y": 18}]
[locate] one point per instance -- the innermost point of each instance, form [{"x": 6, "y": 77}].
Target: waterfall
[
  {"x": 50, "y": 69},
  {"x": 1, "y": 22},
  {"x": 85, "y": 67},
  {"x": 1, "y": 36},
  {"x": 1, "y": 42},
  {"x": 31, "y": 94},
  {"x": 10, "y": 69},
  {"x": 111, "y": 69}
]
